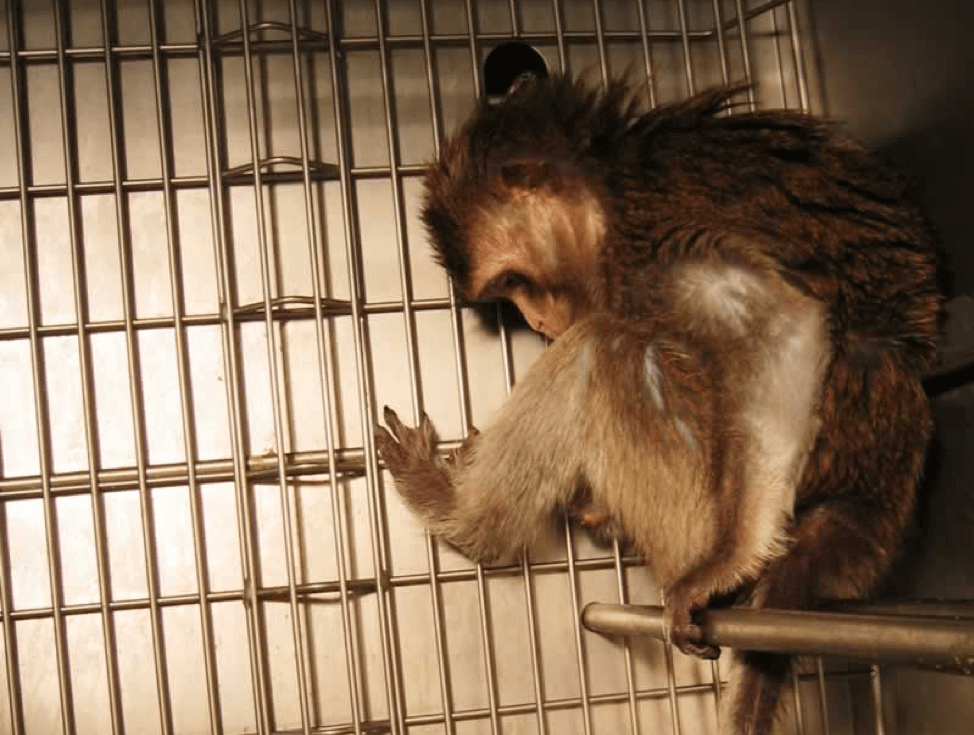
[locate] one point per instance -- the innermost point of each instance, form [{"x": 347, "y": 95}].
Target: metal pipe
[{"x": 943, "y": 643}]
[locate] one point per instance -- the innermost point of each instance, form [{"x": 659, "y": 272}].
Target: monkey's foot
[{"x": 680, "y": 609}]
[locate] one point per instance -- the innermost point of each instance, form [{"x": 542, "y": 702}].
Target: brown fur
[{"x": 715, "y": 277}]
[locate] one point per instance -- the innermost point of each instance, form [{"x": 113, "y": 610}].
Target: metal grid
[{"x": 214, "y": 276}]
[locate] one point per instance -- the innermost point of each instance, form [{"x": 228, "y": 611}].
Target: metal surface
[
  {"x": 214, "y": 275},
  {"x": 940, "y": 641}
]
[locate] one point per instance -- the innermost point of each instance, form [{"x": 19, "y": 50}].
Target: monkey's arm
[
  {"x": 500, "y": 491},
  {"x": 610, "y": 418}
]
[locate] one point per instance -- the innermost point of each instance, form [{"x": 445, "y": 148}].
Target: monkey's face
[
  {"x": 515, "y": 219},
  {"x": 539, "y": 250},
  {"x": 548, "y": 312}
]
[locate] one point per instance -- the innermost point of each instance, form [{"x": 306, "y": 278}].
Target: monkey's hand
[
  {"x": 427, "y": 484},
  {"x": 423, "y": 478},
  {"x": 681, "y": 604}
]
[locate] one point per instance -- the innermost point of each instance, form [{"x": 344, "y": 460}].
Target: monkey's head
[{"x": 516, "y": 203}]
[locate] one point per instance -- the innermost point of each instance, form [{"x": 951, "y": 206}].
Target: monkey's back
[
  {"x": 838, "y": 221},
  {"x": 842, "y": 229}
]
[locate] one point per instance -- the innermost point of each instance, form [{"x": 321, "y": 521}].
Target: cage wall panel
[{"x": 215, "y": 276}]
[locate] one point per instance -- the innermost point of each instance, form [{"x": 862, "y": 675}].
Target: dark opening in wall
[{"x": 509, "y": 61}]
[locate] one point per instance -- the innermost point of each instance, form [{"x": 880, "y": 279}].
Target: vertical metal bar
[
  {"x": 10, "y": 658},
  {"x": 799, "y": 54},
  {"x": 876, "y": 679},
  {"x": 745, "y": 54},
  {"x": 297, "y": 618},
  {"x": 715, "y": 684},
  {"x": 687, "y": 56},
  {"x": 69, "y": 144},
  {"x": 560, "y": 35},
  {"x": 135, "y": 392},
  {"x": 795, "y": 682},
  {"x": 446, "y": 696},
  {"x": 409, "y": 320},
  {"x": 485, "y": 632},
  {"x": 486, "y": 637},
  {"x": 721, "y": 41},
  {"x": 535, "y": 647},
  {"x": 671, "y": 686},
  {"x": 472, "y": 45},
  {"x": 577, "y": 626},
  {"x": 21, "y": 144},
  {"x": 647, "y": 53},
  {"x": 6, "y": 601},
  {"x": 41, "y": 408},
  {"x": 397, "y": 205},
  {"x": 627, "y": 645},
  {"x": 776, "y": 37},
  {"x": 822, "y": 698},
  {"x": 164, "y": 126},
  {"x": 249, "y": 563},
  {"x": 515, "y": 24},
  {"x": 326, "y": 371},
  {"x": 600, "y": 39},
  {"x": 390, "y": 663}
]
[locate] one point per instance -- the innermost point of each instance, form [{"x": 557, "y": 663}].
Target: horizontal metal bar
[
  {"x": 96, "y": 54},
  {"x": 232, "y": 44},
  {"x": 235, "y": 177},
  {"x": 946, "y": 644},
  {"x": 286, "y": 309},
  {"x": 313, "y": 591},
  {"x": 573, "y": 703},
  {"x": 548, "y": 705},
  {"x": 261, "y": 468},
  {"x": 524, "y": 708},
  {"x": 955, "y": 609}
]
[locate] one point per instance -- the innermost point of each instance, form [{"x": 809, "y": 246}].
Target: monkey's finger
[
  {"x": 687, "y": 636},
  {"x": 392, "y": 420},
  {"x": 699, "y": 650},
  {"x": 428, "y": 432},
  {"x": 382, "y": 439},
  {"x": 389, "y": 449}
]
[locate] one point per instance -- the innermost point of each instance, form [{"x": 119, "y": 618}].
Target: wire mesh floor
[{"x": 214, "y": 275}]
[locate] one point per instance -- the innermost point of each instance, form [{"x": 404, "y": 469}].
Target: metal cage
[{"x": 213, "y": 277}]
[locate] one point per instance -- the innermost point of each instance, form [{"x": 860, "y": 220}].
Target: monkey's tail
[{"x": 751, "y": 703}]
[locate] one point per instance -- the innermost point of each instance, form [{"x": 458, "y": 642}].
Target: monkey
[{"x": 741, "y": 305}]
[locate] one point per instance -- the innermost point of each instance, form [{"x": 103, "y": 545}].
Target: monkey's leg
[
  {"x": 857, "y": 497},
  {"x": 831, "y": 545}
]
